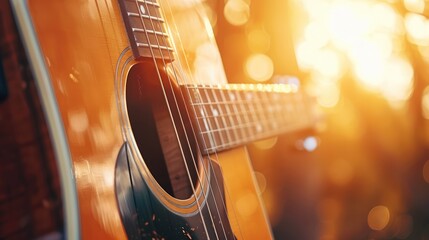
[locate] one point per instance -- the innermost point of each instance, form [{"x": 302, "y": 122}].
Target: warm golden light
[
  {"x": 328, "y": 63},
  {"x": 348, "y": 22},
  {"x": 398, "y": 80},
  {"x": 378, "y": 218},
  {"x": 417, "y": 27},
  {"x": 328, "y": 93},
  {"x": 392, "y": 77},
  {"x": 386, "y": 19},
  {"x": 365, "y": 33},
  {"x": 236, "y": 12},
  {"x": 417, "y": 6},
  {"x": 258, "y": 40},
  {"x": 316, "y": 34},
  {"x": 259, "y": 67},
  {"x": 305, "y": 52}
]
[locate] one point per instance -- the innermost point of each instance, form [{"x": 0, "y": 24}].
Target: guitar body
[{"x": 82, "y": 61}]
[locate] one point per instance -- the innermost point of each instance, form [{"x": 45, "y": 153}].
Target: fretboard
[
  {"x": 146, "y": 29},
  {"x": 235, "y": 114}
]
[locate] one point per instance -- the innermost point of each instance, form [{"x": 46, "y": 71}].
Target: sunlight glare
[
  {"x": 328, "y": 94},
  {"x": 398, "y": 80},
  {"x": 236, "y": 12},
  {"x": 305, "y": 52},
  {"x": 417, "y": 27},
  {"x": 316, "y": 34},
  {"x": 368, "y": 63},
  {"x": 259, "y": 67},
  {"x": 328, "y": 63},
  {"x": 348, "y": 21},
  {"x": 417, "y": 6},
  {"x": 384, "y": 17}
]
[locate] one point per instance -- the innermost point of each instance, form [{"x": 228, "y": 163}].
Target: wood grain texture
[{"x": 82, "y": 42}]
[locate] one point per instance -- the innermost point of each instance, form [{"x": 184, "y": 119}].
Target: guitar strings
[
  {"x": 203, "y": 140},
  {"x": 171, "y": 115},
  {"x": 169, "y": 110},
  {"x": 187, "y": 139},
  {"x": 193, "y": 131}
]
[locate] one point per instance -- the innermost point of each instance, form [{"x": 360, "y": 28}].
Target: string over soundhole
[{"x": 172, "y": 162}]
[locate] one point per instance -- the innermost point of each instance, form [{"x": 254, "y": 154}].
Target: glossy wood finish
[
  {"x": 82, "y": 42},
  {"x": 247, "y": 217}
]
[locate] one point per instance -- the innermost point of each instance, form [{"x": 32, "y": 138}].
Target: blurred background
[{"x": 366, "y": 64}]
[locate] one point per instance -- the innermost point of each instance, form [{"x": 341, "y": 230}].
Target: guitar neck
[{"x": 235, "y": 114}]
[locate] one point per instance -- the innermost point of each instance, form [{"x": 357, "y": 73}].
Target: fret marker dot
[
  {"x": 142, "y": 9},
  {"x": 215, "y": 112}
]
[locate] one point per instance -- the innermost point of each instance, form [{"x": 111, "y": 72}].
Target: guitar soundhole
[{"x": 170, "y": 159}]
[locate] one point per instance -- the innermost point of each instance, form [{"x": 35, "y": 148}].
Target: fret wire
[
  {"x": 263, "y": 113},
  {"x": 222, "y": 102},
  {"x": 275, "y": 107},
  {"x": 298, "y": 125},
  {"x": 271, "y": 110},
  {"x": 243, "y": 125},
  {"x": 259, "y": 109},
  {"x": 148, "y": 3},
  {"x": 216, "y": 121},
  {"x": 272, "y": 88},
  {"x": 202, "y": 112},
  {"x": 149, "y": 31},
  {"x": 288, "y": 127},
  {"x": 133, "y": 14},
  {"x": 244, "y": 114},
  {"x": 245, "y": 117},
  {"x": 139, "y": 44},
  {"x": 237, "y": 117},
  {"x": 252, "y": 111},
  {"x": 229, "y": 115},
  {"x": 228, "y": 136}
]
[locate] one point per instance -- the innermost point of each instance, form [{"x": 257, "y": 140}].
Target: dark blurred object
[{"x": 30, "y": 205}]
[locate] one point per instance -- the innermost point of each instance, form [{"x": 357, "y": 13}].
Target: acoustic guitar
[{"x": 149, "y": 138}]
